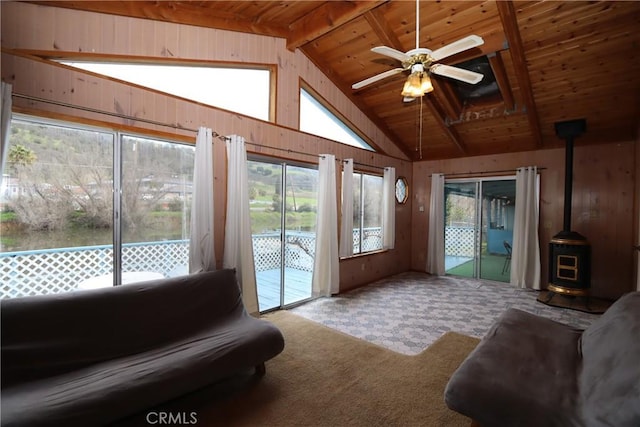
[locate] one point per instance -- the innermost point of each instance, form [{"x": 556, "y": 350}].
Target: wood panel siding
[{"x": 636, "y": 213}]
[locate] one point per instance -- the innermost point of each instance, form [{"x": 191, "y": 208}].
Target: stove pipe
[{"x": 569, "y": 130}]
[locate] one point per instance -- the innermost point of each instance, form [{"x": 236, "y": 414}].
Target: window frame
[{"x": 361, "y": 227}]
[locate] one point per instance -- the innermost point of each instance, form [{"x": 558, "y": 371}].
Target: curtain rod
[
  {"x": 288, "y": 150},
  {"x": 365, "y": 164},
  {"x": 485, "y": 172},
  {"x": 154, "y": 122},
  {"x": 94, "y": 110}
]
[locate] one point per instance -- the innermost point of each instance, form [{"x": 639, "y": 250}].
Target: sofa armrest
[{"x": 523, "y": 372}]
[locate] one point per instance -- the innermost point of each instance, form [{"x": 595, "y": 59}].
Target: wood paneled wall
[
  {"x": 49, "y": 29},
  {"x": 602, "y": 206},
  {"x": 637, "y": 212}
]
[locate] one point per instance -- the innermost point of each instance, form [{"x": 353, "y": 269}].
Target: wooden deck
[{"x": 297, "y": 287}]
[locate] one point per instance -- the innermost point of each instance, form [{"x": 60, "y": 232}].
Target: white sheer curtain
[
  {"x": 201, "y": 245},
  {"x": 389, "y": 208},
  {"x": 525, "y": 255},
  {"x": 435, "y": 247},
  {"x": 5, "y": 123},
  {"x": 346, "y": 227},
  {"x": 326, "y": 275},
  {"x": 238, "y": 244}
]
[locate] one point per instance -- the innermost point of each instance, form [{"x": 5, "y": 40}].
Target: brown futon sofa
[
  {"x": 532, "y": 371},
  {"x": 91, "y": 357}
]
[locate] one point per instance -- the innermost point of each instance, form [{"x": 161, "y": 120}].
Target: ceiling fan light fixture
[
  {"x": 418, "y": 83},
  {"x": 426, "y": 83}
]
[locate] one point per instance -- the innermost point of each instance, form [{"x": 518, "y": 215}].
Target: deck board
[{"x": 297, "y": 287}]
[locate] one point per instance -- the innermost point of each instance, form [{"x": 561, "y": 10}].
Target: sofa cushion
[
  {"x": 522, "y": 373},
  {"x": 103, "y": 392},
  {"x": 610, "y": 377}
]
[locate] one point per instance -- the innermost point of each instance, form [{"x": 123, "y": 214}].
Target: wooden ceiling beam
[
  {"x": 510, "y": 24},
  {"x": 329, "y": 16},
  {"x": 444, "y": 92},
  {"x": 497, "y": 66},
  {"x": 176, "y": 12},
  {"x": 381, "y": 27},
  {"x": 451, "y": 132}
]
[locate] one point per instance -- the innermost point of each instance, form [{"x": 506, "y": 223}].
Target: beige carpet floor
[{"x": 327, "y": 378}]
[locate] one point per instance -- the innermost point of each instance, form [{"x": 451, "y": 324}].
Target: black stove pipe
[
  {"x": 568, "y": 183},
  {"x": 569, "y": 130}
]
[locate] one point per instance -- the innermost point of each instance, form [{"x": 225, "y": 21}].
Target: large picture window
[
  {"x": 63, "y": 229},
  {"x": 367, "y": 213}
]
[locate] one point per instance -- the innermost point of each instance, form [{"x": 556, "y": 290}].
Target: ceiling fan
[{"x": 422, "y": 62}]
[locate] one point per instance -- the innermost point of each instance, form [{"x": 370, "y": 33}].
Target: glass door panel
[
  {"x": 265, "y": 208},
  {"x": 157, "y": 179},
  {"x": 301, "y": 205},
  {"x": 498, "y": 212},
  {"x": 56, "y": 196},
  {"x": 283, "y": 207},
  {"x": 461, "y": 228}
]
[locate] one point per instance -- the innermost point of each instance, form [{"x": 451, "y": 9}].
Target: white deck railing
[
  {"x": 459, "y": 241},
  {"x": 47, "y": 271}
]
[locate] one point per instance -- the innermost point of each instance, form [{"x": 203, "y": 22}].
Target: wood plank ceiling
[{"x": 552, "y": 61}]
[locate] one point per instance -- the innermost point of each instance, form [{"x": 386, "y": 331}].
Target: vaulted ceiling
[{"x": 551, "y": 61}]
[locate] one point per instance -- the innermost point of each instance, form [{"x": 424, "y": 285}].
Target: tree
[
  {"x": 277, "y": 202},
  {"x": 70, "y": 181},
  {"x": 19, "y": 155}
]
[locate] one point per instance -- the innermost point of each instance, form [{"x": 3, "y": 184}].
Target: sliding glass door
[
  {"x": 479, "y": 219},
  {"x": 283, "y": 200}
]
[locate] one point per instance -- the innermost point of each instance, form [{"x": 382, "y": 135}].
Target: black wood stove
[{"x": 569, "y": 251}]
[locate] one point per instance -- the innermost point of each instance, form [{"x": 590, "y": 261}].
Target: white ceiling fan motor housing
[
  {"x": 417, "y": 68},
  {"x": 419, "y": 51}
]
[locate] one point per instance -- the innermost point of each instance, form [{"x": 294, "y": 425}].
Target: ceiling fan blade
[
  {"x": 391, "y": 52},
  {"x": 375, "y": 78},
  {"x": 456, "y": 73},
  {"x": 457, "y": 47}
]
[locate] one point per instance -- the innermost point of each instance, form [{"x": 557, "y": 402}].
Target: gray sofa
[
  {"x": 531, "y": 371},
  {"x": 92, "y": 357}
]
